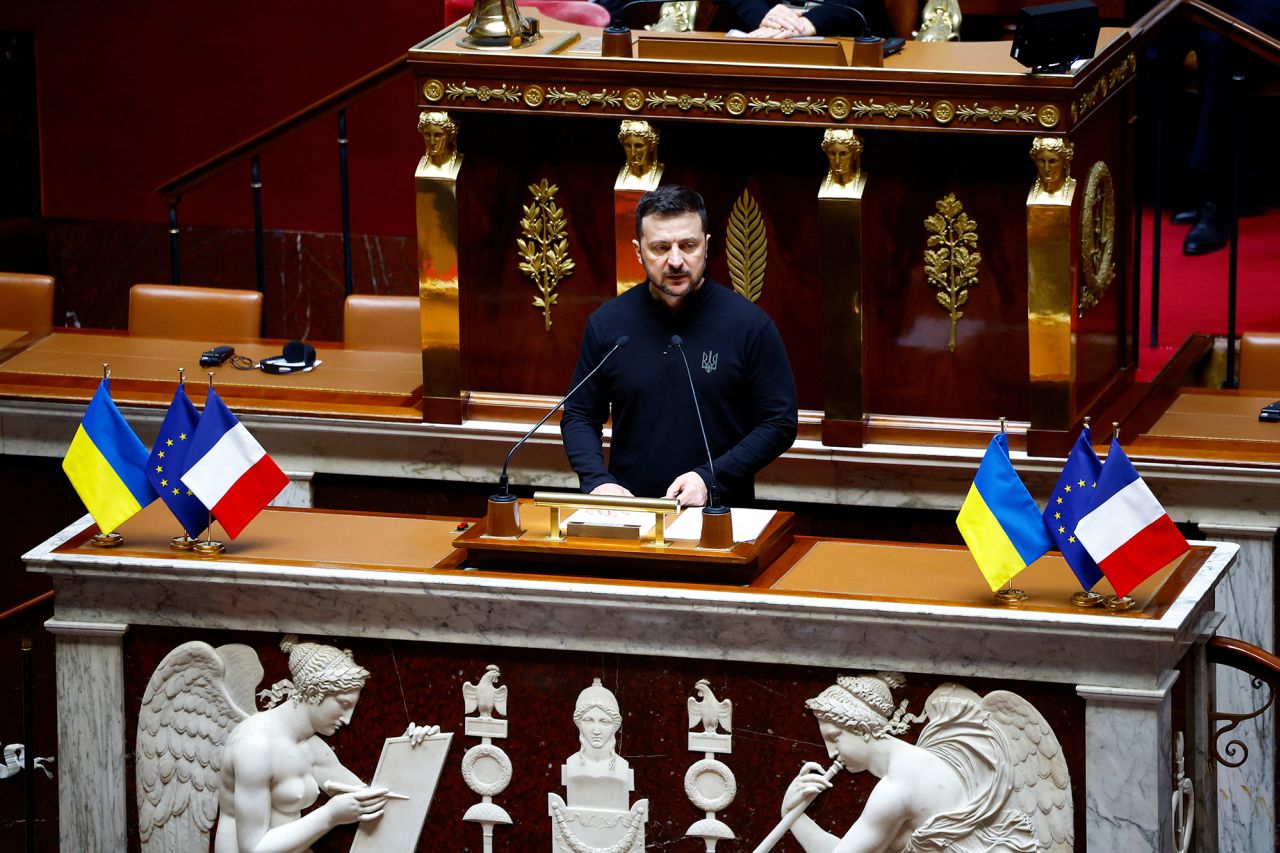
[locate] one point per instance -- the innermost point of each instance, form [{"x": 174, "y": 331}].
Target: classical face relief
[
  {"x": 843, "y": 162},
  {"x": 639, "y": 154},
  {"x": 437, "y": 142},
  {"x": 334, "y": 711},
  {"x": 596, "y": 729},
  {"x": 1050, "y": 167}
]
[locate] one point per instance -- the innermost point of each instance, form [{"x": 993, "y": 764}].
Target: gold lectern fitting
[
  {"x": 939, "y": 21},
  {"x": 1052, "y": 156},
  {"x": 844, "y": 177},
  {"x": 1097, "y": 235},
  {"x": 951, "y": 259},
  {"x": 440, "y": 137},
  {"x": 747, "y": 247},
  {"x": 641, "y": 171},
  {"x": 544, "y": 249},
  {"x": 498, "y": 24},
  {"x": 677, "y": 16}
]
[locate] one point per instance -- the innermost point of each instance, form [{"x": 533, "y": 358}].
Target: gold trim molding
[
  {"x": 735, "y": 104},
  {"x": 1107, "y": 83},
  {"x": 951, "y": 257},
  {"x": 544, "y": 249},
  {"x": 1097, "y": 236},
  {"x": 747, "y": 247}
]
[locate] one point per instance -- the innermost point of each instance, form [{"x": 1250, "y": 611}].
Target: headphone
[{"x": 298, "y": 356}]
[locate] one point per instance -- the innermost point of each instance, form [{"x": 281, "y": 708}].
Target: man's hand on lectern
[
  {"x": 689, "y": 490},
  {"x": 783, "y": 21},
  {"x": 612, "y": 489}
]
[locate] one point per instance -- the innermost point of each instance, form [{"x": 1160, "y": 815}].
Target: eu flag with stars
[
  {"x": 1071, "y": 499},
  {"x": 168, "y": 461}
]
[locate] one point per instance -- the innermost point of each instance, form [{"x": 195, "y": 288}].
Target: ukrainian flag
[
  {"x": 999, "y": 521},
  {"x": 106, "y": 464}
]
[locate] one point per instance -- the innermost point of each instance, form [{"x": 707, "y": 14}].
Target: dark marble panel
[
  {"x": 773, "y": 733},
  {"x": 97, "y": 262}
]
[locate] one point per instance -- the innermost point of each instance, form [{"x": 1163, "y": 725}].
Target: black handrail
[
  {"x": 250, "y": 148},
  {"x": 1265, "y": 47},
  {"x": 198, "y": 174}
]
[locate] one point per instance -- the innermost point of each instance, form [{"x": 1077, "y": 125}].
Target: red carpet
[{"x": 1193, "y": 290}]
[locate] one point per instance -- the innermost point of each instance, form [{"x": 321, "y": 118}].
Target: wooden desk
[
  {"x": 1111, "y": 685},
  {"x": 352, "y": 383}
]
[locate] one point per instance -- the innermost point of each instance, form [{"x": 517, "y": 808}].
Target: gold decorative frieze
[
  {"x": 544, "y": 249},
  {"x": 433, "y": 90},
  {"x": 890, "y": 110},
  {"x": 633, "y": 99},
  {"x": 747, "y": 247},
  {"x": 584, "y": 98},
  {"x": 1097, "y": 235},
  {"x": 1048, "y": 115},
  {"x": 787, "y": 106},
  {"x": 736, "y": 103},
  {"x": 483, "y": 94},
  {"x": 534, "y": 96},
  {"x": 684, "y": 102},
  {"x": 951, "y": 257},
  {"x": 1107, "y": 83},
  {"x": 840, "y": 108},
  {"x": 995, "y": 114}
]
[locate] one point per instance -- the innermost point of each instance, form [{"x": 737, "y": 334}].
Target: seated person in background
[
  {"x": 739, "y": 365},
  {"x": 763, "y": 19}
]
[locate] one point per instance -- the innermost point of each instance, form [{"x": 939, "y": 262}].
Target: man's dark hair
[{"x": 670, "y": 200}]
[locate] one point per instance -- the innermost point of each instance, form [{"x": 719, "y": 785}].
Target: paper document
[
  {"x": 610, "y": 518},
  {"x": 747, "y": 523}
]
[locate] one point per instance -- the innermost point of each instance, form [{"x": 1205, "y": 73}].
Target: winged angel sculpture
[
  {"x": 205, "y": 756},
  {"x": 986, "y": 774}
]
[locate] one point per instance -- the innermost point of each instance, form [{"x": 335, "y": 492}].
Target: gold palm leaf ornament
[
  {"x": 544, "y": 249},
  {"x": 746, "y": 247},
  {"x": 951, "y": 258}
]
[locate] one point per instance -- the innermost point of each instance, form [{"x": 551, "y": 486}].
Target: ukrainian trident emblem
[{"x": 709, "y": 361}]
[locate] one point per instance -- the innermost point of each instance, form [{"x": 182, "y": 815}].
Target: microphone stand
[
  {"x": 717, "y": 520},
  {"x": 502, "y": 517}
]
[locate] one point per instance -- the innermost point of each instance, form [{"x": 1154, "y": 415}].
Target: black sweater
[{"x": 748, "y": 397}]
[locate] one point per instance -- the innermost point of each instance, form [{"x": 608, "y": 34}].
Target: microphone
[
  {"x": 712, "y": 488},
  {"x": 717, "y": 523},
  {"x": 502, "y": 517}
]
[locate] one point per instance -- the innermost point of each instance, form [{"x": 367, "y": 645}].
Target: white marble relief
[
  {"x": 710, "y": 784},
  {"x": 1184, "y": 800},
  {"x": 207, "y": 759},
  {"x": 486, "y": 768},
  {"x": 598, "y": 815},
  {"x": 15, "y": 759},
  {"x": 986, "y": 772},
  {"x": 1246, "y": 792}
]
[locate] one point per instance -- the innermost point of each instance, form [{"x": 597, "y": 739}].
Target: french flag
[
  {"x": 228, "y": 470},
  {"x": 1125, "y": 530}
]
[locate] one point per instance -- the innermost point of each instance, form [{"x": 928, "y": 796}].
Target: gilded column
[
  {"x": 435, "y": 184},
  {"x": 640, "y": 173},
  {"x": 1051, "y": 277},
  {"x": 840, "y": 234}
]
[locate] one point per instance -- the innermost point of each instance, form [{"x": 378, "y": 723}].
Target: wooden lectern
[{"x": 944, "y": 333}]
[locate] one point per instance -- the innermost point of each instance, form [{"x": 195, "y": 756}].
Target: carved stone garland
[{"x": 485, "y": 768}]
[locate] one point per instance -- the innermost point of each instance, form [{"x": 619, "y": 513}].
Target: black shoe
[
  {"x": 1209, "y": 234},
  {"x": 1186, "y": 216}
]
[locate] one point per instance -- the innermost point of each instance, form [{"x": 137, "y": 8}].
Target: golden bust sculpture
[
  {"x": 440, "y": 136},
  {"x": 844, "y": 177},
  {"x": 1052, "y": 156},
  {"x": 642, "y": 171}
]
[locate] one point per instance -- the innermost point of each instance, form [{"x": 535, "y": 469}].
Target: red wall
[{"x": 132, "y": 94}]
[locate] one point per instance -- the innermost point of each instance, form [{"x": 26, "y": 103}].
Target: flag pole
[
  {"x": 1119, "y": 603},
  {"x": 1010, "y": 595},
  {"x": 182, "y": 542},
  {"x": 210, "y": 547},
  {"x": 100, "y": 539},
  {"x": 1086, "y": 598}
]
